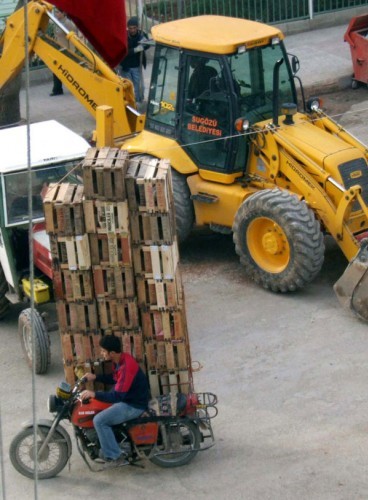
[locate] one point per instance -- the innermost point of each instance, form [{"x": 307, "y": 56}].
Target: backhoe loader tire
[
  {"x": 40, "y": 337},
  {"x": 4, "y": 303},
  {"x": 184, "y": 210},
  {"x": 279, "y": 241}
]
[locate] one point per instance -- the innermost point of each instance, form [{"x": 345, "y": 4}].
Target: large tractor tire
[
  {"x": 184, "y": 210},
  {"x": 4, "y": 303},
  {"x": 40, "y": 337},
  {"x": 279, "y": 241}
]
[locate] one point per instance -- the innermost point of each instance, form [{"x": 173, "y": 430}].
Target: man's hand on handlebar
[{"x": 85, "y": 395}]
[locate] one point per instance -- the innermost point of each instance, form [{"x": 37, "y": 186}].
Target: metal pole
[
  {"x": 310, "y": 8},
  {"x": 140, "y": 10}
]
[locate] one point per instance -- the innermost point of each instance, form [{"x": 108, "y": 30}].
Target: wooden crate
[
  {"x": 80, "y": 347},
  {"x": 159, "y": 294},
  {"x": 110, "y": 250},
  {"x": 105, "y": 217},
  {"x": 64, "y": 209},
  {"x": 70, "y": 252},
  {"x": 164, "y": 325},
  {"x": 118, "y": 313},
  {"x": 156, "y": 261},
  {"x": 164, "y": 382},
  {"x": 77, "y": 316},
  {"x": 104, "y": 172},
  {"x": 73, "y": 286},
  {"x": 166, "y": 354},
  {"x": 149, "y": 185},
  {"x": 113, "y": 282},
  {"x": 152, "y": 228}
]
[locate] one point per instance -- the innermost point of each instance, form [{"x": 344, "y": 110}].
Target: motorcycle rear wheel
[
  {"x": 178, "y": 444},
  {"x": 50, "y": 463}
]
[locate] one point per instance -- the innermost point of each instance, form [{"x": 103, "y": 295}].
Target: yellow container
[{"x": 40, "y": 289}]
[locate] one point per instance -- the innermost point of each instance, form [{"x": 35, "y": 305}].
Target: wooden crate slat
[
  {"x": 169, "y": 355},
  {"x": 113, "y": 282},
  {"x": 69, "y": 373},
  {"x": 64, "y": 210},
  {"x": 159, "y": 294},
  {"x": 118, "y": 313},
  {"x": 110, "y": 250},
  {"x": 154, "y": 382},
  {"x": 152, "y": 228},
  {"x": 176, "y": 381},
  {"x": 106, "y": 216},
  {"x": 104, "y": 174},
  {"x": 168, "y": 324},
  {"x": 135, "y": 194},
  {"x": 77, "y": 317},
  {"x": 149, "y": 185},
  {"x": 73, "y": 285},
  {"x": 156, "y": 261},
  {"x": 181, "y": 355},
  {"x": 67, "y": 347},
  {"x": 166, "y": 355},
  {"x": 70, "y": 252}
]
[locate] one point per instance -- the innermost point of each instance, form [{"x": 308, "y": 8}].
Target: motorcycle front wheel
[
  {"x": 177, "y": 444},
  {"x": 52, "y": 460}
]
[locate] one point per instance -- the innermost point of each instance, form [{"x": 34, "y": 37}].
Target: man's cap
[{"x": 133, "y": 21}]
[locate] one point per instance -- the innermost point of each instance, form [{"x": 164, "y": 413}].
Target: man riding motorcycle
[{"x": 130, "y": 396}]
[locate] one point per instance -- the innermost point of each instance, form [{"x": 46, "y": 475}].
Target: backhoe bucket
[{"x": 352, "y": 288}]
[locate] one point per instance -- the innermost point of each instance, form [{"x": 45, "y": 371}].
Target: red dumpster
[{"x": 357, "y": 37}]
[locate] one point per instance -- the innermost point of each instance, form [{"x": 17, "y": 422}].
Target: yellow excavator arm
[{"x": 92, "y": 82}]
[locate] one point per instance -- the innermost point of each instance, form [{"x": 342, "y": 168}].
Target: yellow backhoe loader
[{"x": 222, "y": 107}]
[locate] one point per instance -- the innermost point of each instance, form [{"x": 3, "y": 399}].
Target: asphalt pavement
[{"x": 290, "y": 370}]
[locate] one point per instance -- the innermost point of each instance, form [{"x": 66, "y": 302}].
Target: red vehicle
[
  {"x": 357, "y": 37},
  {"x": 169, "y": 436}
]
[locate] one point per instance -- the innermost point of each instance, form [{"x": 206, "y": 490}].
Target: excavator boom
[{"x": 92, "y": 82}]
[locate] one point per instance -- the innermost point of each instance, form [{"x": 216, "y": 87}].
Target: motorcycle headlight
[{"x": 54, "y": 403}]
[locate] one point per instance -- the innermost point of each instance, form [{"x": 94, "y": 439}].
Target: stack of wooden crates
[{"x": 115, "y": 265}]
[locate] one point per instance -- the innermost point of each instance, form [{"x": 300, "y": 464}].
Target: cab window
[
  {"x": 161, "y": 111},
  {"x": 205, "y": 121}
]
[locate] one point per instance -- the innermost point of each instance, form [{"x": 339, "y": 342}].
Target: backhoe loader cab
[
  {"x": 55, "y": 153},
  {"x": 207, "y": 72}
]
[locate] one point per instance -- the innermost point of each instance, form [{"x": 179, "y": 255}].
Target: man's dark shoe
[
  {"x": 56, "y": 93},
  {"x": 109, "y": 462},
  {"x": 119, "y": 462}
]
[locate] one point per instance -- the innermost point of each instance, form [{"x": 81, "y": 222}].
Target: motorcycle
[{"x": 169, "y": 434}]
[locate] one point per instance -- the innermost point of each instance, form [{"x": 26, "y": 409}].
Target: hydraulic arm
[{"x": 92, "y": 82}]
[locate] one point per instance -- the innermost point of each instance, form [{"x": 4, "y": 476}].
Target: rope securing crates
[{"x": 116, "y": 267}]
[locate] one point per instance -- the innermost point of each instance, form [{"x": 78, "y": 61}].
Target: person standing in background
[
  {"x": 60, "y": 37},
  {"x": 131, "y": 65}
]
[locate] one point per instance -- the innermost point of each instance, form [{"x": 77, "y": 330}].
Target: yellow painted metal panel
[{"x": 214, "y": 34}]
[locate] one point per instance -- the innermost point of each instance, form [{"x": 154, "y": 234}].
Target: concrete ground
[{"x": 290, "y": 371}]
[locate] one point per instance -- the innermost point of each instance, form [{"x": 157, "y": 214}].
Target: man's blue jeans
[
  {"x": 135, "y": 76},
  {"x": 114, "y": 415}
]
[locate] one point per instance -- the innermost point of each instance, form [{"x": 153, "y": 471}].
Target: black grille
[{"x": 346, "y": 169}]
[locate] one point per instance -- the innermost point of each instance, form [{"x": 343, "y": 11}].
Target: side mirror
[{"x": 295, "y": 64}]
